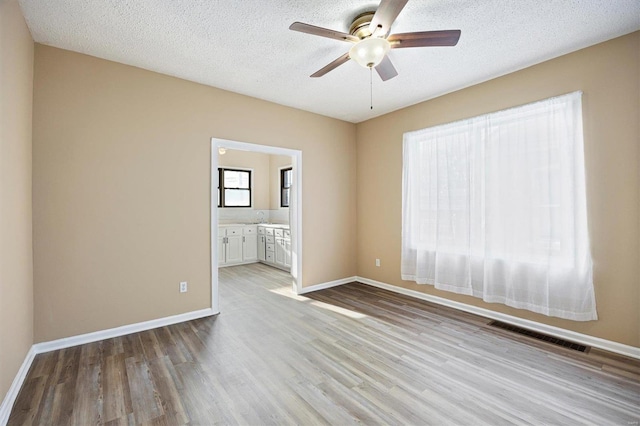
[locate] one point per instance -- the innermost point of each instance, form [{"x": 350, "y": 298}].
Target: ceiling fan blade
[
  {"x": 386, "y": 14},
  {"x": 425, "y": 38},
  {"x": 322, "y": 32},
  {"x": 331, "y": 66},
  {"x": 386, "y": 70}
]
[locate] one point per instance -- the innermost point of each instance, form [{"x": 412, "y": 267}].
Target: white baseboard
[
  {"x": 67, "y": 342},
  {"x": 226, "y": 265},
  {"x": 81, "y": 339},
  {"x": 12, "y": 394},
  {"x": 585, "y": 339},
  {"x": 326, "y": 285}
]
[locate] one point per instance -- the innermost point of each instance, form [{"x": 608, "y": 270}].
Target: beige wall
[
  {"x": 259, "y": 164},
  {"x": 121, "y": 184},
  {"x": 609, "y": 76},
  {"x": 16, "y": 265},
  {"x": 121, "y": 163},
  {"x": 276, "y": 162}
]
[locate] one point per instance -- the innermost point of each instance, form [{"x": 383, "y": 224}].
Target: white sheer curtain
[{"x": 495, "y": 207}]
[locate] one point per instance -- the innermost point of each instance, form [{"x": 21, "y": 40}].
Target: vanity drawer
[
  {"x": 270, "y": 257},
  {"x": 271, "y": 239},
  {"x": 234, "y": 231},
  {"x": 287, "y": 233},
  {"x": 261, "y": 230},
  {"x": 279, "y": 233},
  {"x": 269, "y": 231},
  {"x": 249, "y": 230},
  {"x": 271, "y": 247}
]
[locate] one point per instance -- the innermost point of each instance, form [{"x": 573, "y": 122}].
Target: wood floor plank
[
  {"x": 115, "y": 388},
  {"x": 203, "y": 399},
  {"x": 146, "y": 404},
  {"x": 352, "y": 354},
  {"x": 164, "y": 380},
  {"x": 87, "y": 407},
  {"x": 28, "y": 401}
]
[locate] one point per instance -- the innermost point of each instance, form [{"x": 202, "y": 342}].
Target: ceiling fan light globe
[{"x": 369, "y": 52}]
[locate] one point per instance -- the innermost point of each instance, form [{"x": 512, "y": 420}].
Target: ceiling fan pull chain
[{"x": 371, "y": 85}]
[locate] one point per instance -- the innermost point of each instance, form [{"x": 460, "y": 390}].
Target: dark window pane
[
  {"x": 234, "y": 188},
  {"x": 286, "y": 175}
]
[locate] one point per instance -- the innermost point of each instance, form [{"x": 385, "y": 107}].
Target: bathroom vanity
[
  {"x": 274, "y": 245},
  {"x": 240, "y": 244}
]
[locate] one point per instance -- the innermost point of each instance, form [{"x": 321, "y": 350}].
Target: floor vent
[{"x": 540, "y": 336}]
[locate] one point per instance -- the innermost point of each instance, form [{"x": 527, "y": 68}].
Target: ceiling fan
[{"x": 369, "y": 32}]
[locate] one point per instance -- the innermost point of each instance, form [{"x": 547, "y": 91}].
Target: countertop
[{"x": 266, "y": 225}]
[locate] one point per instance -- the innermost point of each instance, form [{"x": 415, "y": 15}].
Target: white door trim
[{"x": 296, "y": 211}]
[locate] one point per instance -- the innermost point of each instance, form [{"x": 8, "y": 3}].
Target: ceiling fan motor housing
[{"x": 360, "y": 25}]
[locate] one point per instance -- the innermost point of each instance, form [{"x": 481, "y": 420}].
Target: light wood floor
[{"x": 349, "y": 355}]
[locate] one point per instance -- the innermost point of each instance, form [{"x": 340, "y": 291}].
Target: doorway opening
[{"x": 295, "y": 208}]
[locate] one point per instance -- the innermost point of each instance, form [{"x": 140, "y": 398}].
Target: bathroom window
[
  {"x": 234, "y": 188},
  {"x": 285, "y": 186}
]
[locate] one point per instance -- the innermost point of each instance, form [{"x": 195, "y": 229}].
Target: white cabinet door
[
  {"x": 221, "y": 251},
  {"x": 250, "y": 248},
  {"x": 287, "y": 253},
  {"x": 280, "y": 251},
  {"x": 234, "y": 249},
  {"x": 261, "y": 248}
]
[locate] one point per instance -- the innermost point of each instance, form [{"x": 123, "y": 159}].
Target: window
[
  {"x": 495, "y": 207},
  {"x": 285, "y": 186},
  {"x": 236, "y": 188}
]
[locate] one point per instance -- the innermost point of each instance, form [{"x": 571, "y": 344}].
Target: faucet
[{"x": 260, "y": 215}]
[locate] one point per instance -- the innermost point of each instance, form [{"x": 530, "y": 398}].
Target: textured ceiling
[{"x": 245, "y": 46}]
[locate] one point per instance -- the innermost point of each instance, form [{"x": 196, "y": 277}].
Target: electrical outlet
[
  {"x": 183, "y": 287},
  {"x": 377, "y": 262}
]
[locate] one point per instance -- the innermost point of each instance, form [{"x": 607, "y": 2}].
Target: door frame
[{"x": 295, "y": 212}]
